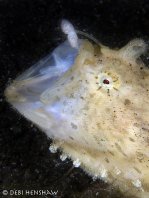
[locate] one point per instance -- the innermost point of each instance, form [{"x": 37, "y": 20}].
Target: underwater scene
[{"x": 74, "y": 98}]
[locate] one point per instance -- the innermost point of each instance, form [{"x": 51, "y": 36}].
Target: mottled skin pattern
[
  {"x": 108, "y": 125},
  {"x": 101, "y": 115}
]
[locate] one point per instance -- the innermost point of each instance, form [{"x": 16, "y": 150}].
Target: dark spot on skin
[
  {"x": 120, "y": 149},
  {"x": 141, "y": 68},
  {"x": 115, "y": 89},
  {"x": 111, "y": 153},
  {"x": 106, "y": 159},
  {"x": 107, "y": 109},
  {"x": 137, "y": 170},
  {"x": 74, "y": 126},
  {"x": 98, "y": 125},
  {"x": 127, "y": 102},
  {"x": 140, "y": 160},
  {"x": 65, "y": 103},
  {"x": 82, "y": 97},
  {"x": 140, "y": 156},
  {"x": 136, "y": 124},
  {"x": 92, "y": 95},
  {"x": 131, "y": 139},
  {"x": 57, "y": 98},
  {"x": 86, "y": 82},
  {"x": 71, "y": 137},
  {"x": 102, "y": 140},
  {"x": 98, "y": 88},
  {"x": 108, "y": 92},
  {"x": 72, "y": 78},
  {"x": 72, "y": 95},
  {"x": 145, "y": 129}
]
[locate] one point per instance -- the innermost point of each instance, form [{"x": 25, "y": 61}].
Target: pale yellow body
[
  {"x": 111, "y": 124},
  {"x": 103, "y": 126}
]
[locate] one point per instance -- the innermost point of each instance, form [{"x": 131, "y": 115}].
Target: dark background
[{"x": 29, "y": 29}]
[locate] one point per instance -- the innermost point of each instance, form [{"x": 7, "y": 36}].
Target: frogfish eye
[{"x": 108, "y": 80}]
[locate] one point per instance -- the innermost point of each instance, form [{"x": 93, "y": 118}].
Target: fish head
[{"x": 71, "y": 91}]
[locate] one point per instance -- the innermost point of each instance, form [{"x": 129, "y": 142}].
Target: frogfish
[{"x": 93, "y": 102}]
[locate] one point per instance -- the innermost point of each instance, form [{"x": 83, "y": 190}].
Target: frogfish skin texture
[{"x": 94, "y": 103}]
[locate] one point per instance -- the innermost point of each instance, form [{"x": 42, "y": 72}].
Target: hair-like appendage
[
  {"x": 90, "y": 37},
  {"x": 69, "y": 30},
  {"x": 133, "y": 50}
]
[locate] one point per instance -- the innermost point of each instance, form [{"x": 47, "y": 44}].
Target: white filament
[{"x": 69, "y": 30}]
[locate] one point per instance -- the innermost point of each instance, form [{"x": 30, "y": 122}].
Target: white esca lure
[{"x": 94, "y": 103}]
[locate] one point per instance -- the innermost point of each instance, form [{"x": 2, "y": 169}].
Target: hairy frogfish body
[{"x": 93, "y": 102}]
